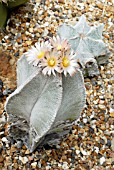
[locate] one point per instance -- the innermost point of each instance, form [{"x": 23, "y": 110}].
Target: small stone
[
  {"x": 65, "y": 165},
  {"x": 16, "y": 54},
  {"x": 1, "y": 84},
  {"x": 102, "y": 107},
  {"x": 24, "y": 160},
  {"x": 19, "y": 144},
  {"x": 112, "y": 109},
  {"x": 29, "y": 42},
  {"x": 100, "y": 5},
  {"x": 4, "y": 139},
  {"x": 64, "y": 158},
  {"x": 84, "y": 120},
  {"x": 2, "y": 119},
  {"x": 77, "y": 152},
  {"x": 108, "y": 142},
  {"x": 13, "y": 149},
  {"x": 34, "y": 164},
  {"x": 103, "y": 127},
  {"x": 96, "y": 149},
  {"x": 1, "y": 158},
  {"x": 5, "y": 92},
  {"x": 27, "y": 152},
  {"x": 83, "y": 151},
  {"x": 1, "y": 95},
  {"x": 31, "y": 29},
  {"x": 91, "y": 130},
  {"x": 112, "y": 143},
  {"x": 45, "y": 32},
  {"x": 102, "y": 160},
  {"x": 12, "y": 61},
  {"x": 61, "y": 1}
]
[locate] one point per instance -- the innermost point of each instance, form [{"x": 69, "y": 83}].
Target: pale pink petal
[
  {"x": 49, "y": 72},
  {"x": 53, "y": 72},
  {"x": 45, "y": 70}
]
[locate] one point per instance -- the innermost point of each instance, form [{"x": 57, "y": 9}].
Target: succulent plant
[
  {"x": 50, "y": 92},
  {"x": 42, "y": 106},
  {"x": 5, "y": 7},
  {"x": 87, "y": 42},
  {"x": 3, "y": 15}
]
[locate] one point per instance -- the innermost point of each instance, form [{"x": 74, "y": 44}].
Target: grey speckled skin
[
  {"x": 42, "y": 108},
  {"x": 87, "y": 42}
]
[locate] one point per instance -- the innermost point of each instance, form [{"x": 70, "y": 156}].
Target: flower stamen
[
  {"x": 59, "y": 47},
  {"x": 41, "y": 55},
  {"x": 51, "y": 62},
  {"x": 65, "y": 62}
]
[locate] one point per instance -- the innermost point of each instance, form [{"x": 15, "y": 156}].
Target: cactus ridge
[{"x": 86, "y": 41}]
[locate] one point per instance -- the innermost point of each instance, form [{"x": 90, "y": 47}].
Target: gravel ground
[{"x": 90, "y": 144}]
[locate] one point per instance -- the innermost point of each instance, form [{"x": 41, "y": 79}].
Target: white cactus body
[
  {"x": 43, "y": 107},
  {"x": 45, "y": 103},
  {"x": 87, "y": 42}
]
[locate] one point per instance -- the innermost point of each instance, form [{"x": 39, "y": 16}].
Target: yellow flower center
[
  {"x": 41, "y": 55},
  {"x": 51, "y": 62},
  {"x": 65, "y": 62},
  {"x": 59, "y": 47}
]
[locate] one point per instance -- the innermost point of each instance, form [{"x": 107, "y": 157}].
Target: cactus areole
[{"x": 50, "y": 92}]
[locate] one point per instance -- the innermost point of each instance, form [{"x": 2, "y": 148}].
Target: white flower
[
  {"x": 59, "y": 44},
  {"x": 51, "y": 63},
  {"x": 37, "y": 53},
  {"x": 68, "y": 63}
]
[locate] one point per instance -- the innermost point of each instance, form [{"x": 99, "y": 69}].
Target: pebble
[
  {"x": 65, "y": 165},
  {"x": 102, "y": 160},
  {"x": 1, "y": 84},
  {"x": 84, "y": 120},
  {"x": 4, "y": 139},
  {"x": 19, "y": 144},
  {"x": 102, "y": 107},
  {"x": 24, "y": 160},
  {"x": 112, "y": 144},
  {"x": 34, "y": 164},
  {"x": 16, "y": 54},
  {"x": 1, "y": 95},
  {"x": 1, "y": 158}
]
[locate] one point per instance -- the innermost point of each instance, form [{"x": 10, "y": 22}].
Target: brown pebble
[
  {"x": 61, "y": 1},
  {"x": 1, "y": 158}
]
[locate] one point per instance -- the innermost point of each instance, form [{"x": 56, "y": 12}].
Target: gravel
[{"x": 90, "y": 145}]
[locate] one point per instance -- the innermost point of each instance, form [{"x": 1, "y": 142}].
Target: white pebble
[
  {"x": 85, "y": 120},
  {"x": 96, "y": 149},
  {"x": 83, "y": 152},
  {"x": 34, "y": 164},
  {"x": 65, "y": 165},
  {"x": 2, "y": 119},
  {"x": 77, "y": 152},
  {"x": 24, "y": 160},
  {"x": 46, "y": 24},
  {"x": 4, "y": 139},
  {"x": 102, "y": 160}
]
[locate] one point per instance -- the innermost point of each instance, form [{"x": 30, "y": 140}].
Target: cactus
[
  {"x": 87, "y": 42},
  {"x": 44, "y": 106},
  {"x": 3, "y": 15},
  {"x": 5, "y": 7},
  {"x": 45, "y": 103}
]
